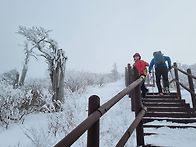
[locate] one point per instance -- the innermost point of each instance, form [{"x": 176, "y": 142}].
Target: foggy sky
[{"x": 95, "y": 34}]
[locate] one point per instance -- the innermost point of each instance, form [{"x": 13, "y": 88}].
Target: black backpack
[{"x": 158, "y": 58}]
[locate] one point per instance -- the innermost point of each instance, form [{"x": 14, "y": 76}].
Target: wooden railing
[
  {"x": 179, "y": 84},
  {"x": 95, "y": 112}
]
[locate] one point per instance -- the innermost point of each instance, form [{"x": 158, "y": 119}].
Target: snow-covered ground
[{"x": 33, "y": 132}]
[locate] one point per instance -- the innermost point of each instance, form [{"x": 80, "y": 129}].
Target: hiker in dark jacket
[{"x": 161, "y": 70}]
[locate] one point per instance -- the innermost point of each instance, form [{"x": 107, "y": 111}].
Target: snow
[{"x": 33, "y": 130}]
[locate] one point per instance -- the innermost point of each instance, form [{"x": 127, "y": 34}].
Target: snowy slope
[{"x": 113, "y": 124}]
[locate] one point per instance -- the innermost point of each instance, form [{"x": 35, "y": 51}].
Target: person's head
[
  {"x": 157, "y": 52},
  {"x": 136, "y": 56}
]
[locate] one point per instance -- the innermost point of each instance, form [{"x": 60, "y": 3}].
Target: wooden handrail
[
  {"x": 192, "y": 92},
  {"x": 190, "y": 81},
  {"x": 132, "y": 83},
  {"x": 184, "y": 72},
  {"x": 96, "y": 115},
  {"x": 131, "y": 128}
]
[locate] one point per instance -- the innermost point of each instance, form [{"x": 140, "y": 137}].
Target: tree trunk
[
  {"x": 61, "y": 86},
  {"x": 58, "y": 86},
  {"x": 15, "y": 84},
  {"x": 23, "y": 75}
]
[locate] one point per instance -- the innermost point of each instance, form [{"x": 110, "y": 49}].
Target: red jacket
[{"x": 140, "y": 65}]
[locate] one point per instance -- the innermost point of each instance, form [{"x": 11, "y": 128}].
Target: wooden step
[
  {"x": 151, "y": 145},
  {"x": 164, "y": 95},
  {"x": 166, "y": 105},
  {"x": 169, "y": 126},
  {"x": 147, "y": 134},
  {"x": 158, "y": 96},
  {"x": 168, "y": 109},
  {"x": 170, "y": 114},
  {"x": 162, "y": 100},
  {"x": 174, "y": 120},
  {"x": 156, "y": 93}
]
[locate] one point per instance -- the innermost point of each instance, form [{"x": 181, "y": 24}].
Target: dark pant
[
  {"x": 144, "y": 90},
  {"x": 161, "y": 72}
]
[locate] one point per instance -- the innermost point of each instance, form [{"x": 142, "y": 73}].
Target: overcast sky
[{"x": 95, "y": 34}]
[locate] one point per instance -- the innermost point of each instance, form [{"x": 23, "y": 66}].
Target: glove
[{"x": 143, "y": 77}]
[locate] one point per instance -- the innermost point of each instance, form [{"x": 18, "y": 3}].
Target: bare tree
[
  {"x": 39, "y": 39},
  {"x": 28, "y": 53}
]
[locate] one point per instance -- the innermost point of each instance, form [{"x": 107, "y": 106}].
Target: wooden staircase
[{"x": 166, "y": 111}]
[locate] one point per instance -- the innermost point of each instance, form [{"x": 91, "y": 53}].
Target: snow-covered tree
[
  {"x": 39, "y": 39},
  {"x": 114, "y": 73},
  {"x": 28, "y": 53}
]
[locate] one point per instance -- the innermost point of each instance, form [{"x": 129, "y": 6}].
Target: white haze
[{"x": 95, "y": 34}]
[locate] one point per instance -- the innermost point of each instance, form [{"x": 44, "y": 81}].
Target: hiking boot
[
  {"x": 167, "y": 90},
  {"x": 160, "y": 94},
  {"x": 144, "y": 92}
]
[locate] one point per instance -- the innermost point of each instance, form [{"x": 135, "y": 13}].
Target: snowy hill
[{"x": 37, "y": 130}]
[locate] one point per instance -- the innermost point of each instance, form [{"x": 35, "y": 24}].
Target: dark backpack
[{"x": 159, "y": 58}]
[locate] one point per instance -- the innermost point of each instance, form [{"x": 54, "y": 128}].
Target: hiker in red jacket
[{"x": 140, "y": 66}]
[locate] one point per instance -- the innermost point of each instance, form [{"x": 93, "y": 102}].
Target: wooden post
[
  {"x": 129, "y": 73},
  {"x": 126, "y": 77},
  {"x": 131, "y": 79},
  {"x": 93, "y": 132},
  {"x": 191, "y": 86},
  {"x": 177, "y": 79},
  {"x": 138, "y": 107}
]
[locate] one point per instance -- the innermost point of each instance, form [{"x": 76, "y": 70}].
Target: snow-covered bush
[
  {"x": 75, "y": 80},
  {"x": 16, "y": 103},
  {"x": 39, "y": 137},
  {"x": 10, "y": 103},
  {"x": 60, "y": 123},
  {"x": 36, "y": 95},
  {"x": 10, "y": 77},
  {"x": 63, "y": 122}
]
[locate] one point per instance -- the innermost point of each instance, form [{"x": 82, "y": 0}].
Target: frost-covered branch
[{"x": 55, "y": 57}]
